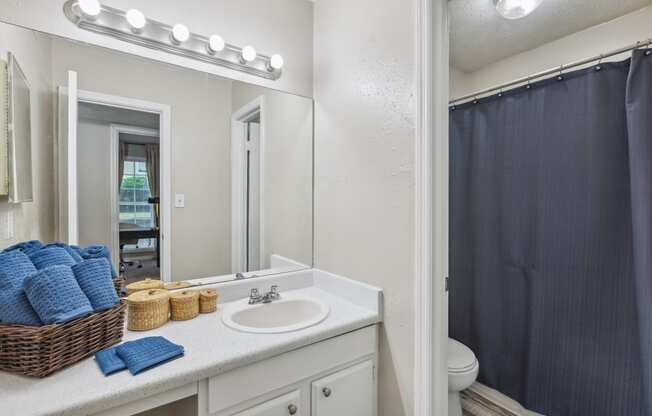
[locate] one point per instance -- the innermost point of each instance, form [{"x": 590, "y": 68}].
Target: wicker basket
[
  {"x": 207, "y": 301},
  {"x": 148, "y": 309},
  {"x": 184, "y": 305},
  {"x": 177, "y": 285},
  {"x": 146, "y": 284}
]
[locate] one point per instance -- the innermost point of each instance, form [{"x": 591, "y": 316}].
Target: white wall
[
  {"x": 33, "y": 220},
  {"x": 593, "y": 41},
  {"x": 288, "y": 171},
  {"x": 200, "y": 137},
  {"x": 365, "y": 87},
  {"x": 272, "y": 26}
]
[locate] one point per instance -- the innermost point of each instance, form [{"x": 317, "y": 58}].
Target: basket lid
[
  {"x": 208, "y": 293},
  {"x": 184, "y": 295},
  {"x": 151, "y": 295},
  {"x": 177, "y": 285},
  {"x": 145, "y": 284}
]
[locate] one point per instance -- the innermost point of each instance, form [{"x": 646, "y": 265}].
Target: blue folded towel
[
  {"x": 51, "y": 256},
  {"x": 94, "y": 278},
  {"x": 15, "y": 309},
  {"x": 94, "y": 252},
  {"x": 16, "y": 266},
  {"x": 26, "y": 247},
  {"x": 55, "y": 295},
  {"x": 146, "y": 353},
  {"x": 74, "y": 253},
  {"x": 109, "y": 361}
]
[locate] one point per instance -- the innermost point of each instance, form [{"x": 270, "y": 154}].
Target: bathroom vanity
[{"x": 329, "y": 368}]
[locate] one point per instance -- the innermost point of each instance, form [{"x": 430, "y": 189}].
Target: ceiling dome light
[
  {"x": 249, "y": 53},
  {"x": 90, "y": 8},
  {"x": 215, "y": 44},
  {"x": 516, "y": 9},
  {"x": 276, "y": 62},
  {"x": 136, "y": 19},
  {"x": 180, "y": 33}
]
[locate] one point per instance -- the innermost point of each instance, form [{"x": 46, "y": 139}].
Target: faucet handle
[
  {"x": 254, "y": 293},
  {"x": 274, "y": 289}
]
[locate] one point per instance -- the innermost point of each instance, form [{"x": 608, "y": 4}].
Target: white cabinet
[
  {"x": 349, "y": 392},
  {"x": 288, "y": 404}
]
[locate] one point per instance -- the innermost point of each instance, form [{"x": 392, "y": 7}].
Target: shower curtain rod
[{"x": 556, "y": 70}]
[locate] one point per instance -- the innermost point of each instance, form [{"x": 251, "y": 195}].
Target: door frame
[
  {"x": 238, "y": 120},
  {"x": 432, "y": 175},
  {"x": 165, "y": 113},
  {"x": 116, "y": 131}
]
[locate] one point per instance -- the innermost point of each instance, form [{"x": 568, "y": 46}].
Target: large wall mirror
[{"x": 185, "y": 175}]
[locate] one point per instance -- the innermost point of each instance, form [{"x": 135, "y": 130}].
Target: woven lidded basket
[
  {"x": 184, "y": 305},
  {"x": 148, "y": 309},
  {"x": 177, "y": 285},
  {"x": 42, "y": 350},
  {"x": 146, "y": 284},
  {"x": 207, "y": 301}
]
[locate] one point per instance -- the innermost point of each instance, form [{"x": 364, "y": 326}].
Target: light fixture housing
[
  {"x": 136, "y": 20},
  {"x": 179, "y": 34},
  {"x": 215, "y": 44},
  {"x": 90, "y": 8},
  {"x": 248, "y": 54},
  {"x": 275, "y": 63},
  {"x": 516, "y": 9}
]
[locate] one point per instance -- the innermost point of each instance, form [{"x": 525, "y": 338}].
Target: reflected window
[{"x": 134, "y": 192}]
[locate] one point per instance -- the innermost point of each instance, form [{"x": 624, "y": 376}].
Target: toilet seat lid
[{"x": 460, "y": 357}]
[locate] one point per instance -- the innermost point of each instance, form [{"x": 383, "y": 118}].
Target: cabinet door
[
  {"x": 286, "y": 405},
  {"x": 349, "y": 392}
]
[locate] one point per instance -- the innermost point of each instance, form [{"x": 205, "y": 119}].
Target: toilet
[{"x": 462, "y": 371}]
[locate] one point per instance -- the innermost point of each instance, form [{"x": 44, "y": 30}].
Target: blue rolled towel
[
  {"x": 146, "y": 353},
  {"x": 74, "y": 253},
  {"x": 55, "y": 295},
  {"x": 15, "y": 309},
  {"x": 97, "y": 251},
  {"x": 26, "y": 247},
  {"x": 16, "y": 266},
  {"x": 109, "y": 361},
  {"x": 51, "y": 256},
  {"x": 94, "y": 278}
]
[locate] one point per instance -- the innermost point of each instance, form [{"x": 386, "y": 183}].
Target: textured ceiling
[{"x": 480, "y": 36}]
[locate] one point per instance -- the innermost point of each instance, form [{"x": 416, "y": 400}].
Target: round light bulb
[
  {"x": 215, "y": 44},
  {"x": 249, "y": 53},
  {"x": 180, "y": 33},
  {"x": 516, "y": 9},
  {"x": 90, "y": 8},
  {"x": 136, "y": 19},
  {"x": 276, "y": 61}
]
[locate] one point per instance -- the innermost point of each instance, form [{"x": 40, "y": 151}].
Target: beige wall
[
  {"x": 201, "y": 107},
  {"x": 33, "y": 220},
  {"x": 364, "y": 147},
  {"x": 272, "y": 26},
  {"x": 288, "y": 171},
  {"x": 593, "y": 41}
]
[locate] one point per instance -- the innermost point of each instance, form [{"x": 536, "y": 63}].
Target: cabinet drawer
[
  {"x": 286, "y": 405},
  {"x": 349, "y": 392}
]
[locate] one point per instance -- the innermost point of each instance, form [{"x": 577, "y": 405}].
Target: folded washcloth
[
  {"x": 55, "y": 295},
  {"x": 15, "y": 266},
  {"x": 94, "y": 278},
  {"x": 94, "y": 252},
  {"x": 109, "y": 361},
  {"x": 146, "y": 353},
  {"x": 74, "y": 253},
  {"x": 51, "y": 256},
  {"x": 15, "y": 309},
  {"x": 26, "y": 247}
]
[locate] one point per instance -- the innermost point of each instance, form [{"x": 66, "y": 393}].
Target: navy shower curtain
[{"x": 551, "y": 240}]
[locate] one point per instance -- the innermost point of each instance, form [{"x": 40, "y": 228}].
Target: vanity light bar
[{"x": 133, "y": 27}]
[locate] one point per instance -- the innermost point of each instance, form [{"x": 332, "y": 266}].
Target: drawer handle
[
  {"x": 327, "y": 392},
  {"x": 293, "y": 409}
]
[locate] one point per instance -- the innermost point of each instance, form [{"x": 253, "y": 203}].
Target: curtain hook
[
  {"x": 500, "y": 92},
  {"x": 648, "y": 52},
  {"x": 599, "y": 66},
  {"x": 560, "y": 77},
  {"x": 529, "y": 85},
  {"x": 475, "y": 99}
]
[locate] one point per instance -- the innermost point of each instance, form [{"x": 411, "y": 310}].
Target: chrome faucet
[{"x": 255, "y": 297}]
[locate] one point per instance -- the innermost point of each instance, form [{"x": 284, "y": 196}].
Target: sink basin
[{"x": 284, "y": 315}]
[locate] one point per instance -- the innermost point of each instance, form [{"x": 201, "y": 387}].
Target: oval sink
[{"x": 284, "y": 315}]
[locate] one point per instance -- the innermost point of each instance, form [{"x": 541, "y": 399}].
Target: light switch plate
[{"x": 179, "y": 200}]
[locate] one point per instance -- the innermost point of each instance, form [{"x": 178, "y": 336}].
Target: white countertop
[{"x": 211, "y": 348}]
